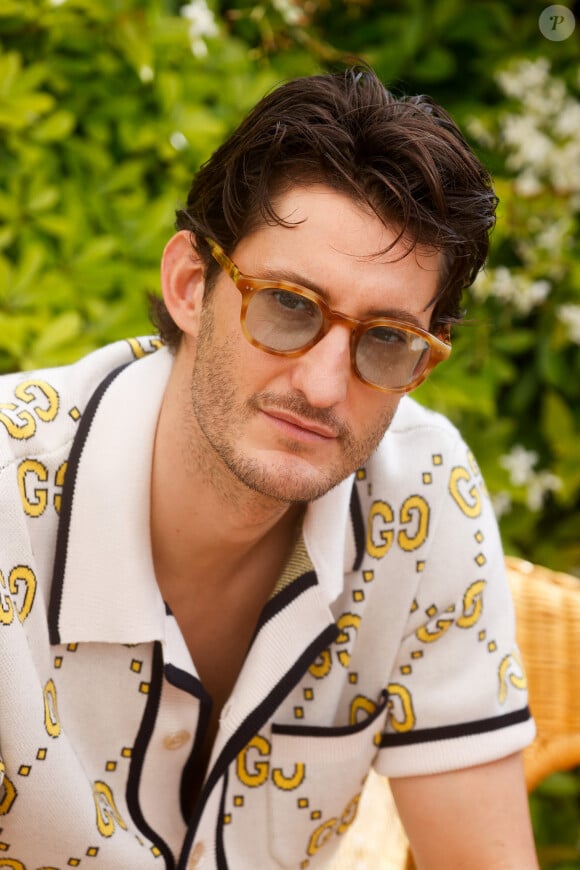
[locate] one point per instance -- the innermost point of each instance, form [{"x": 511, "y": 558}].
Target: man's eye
[
  {"x": 294, "y": 302},
  {"x": 388, "y": 335}
]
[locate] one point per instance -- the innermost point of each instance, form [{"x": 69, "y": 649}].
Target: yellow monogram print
[
  {"x": 35, "y": 401},
  {"x": 401, "y": 715},
  {"x": 413, "y": 523},
  {"x": 511, "y": 671},
  {"x": 108, "y": 816},
  {"x": 51, "y": 717}
]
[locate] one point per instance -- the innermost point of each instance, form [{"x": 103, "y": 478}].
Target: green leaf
[
  {"x": 43, "y": 200},
  {"x": 56, "y": 127},
  {"x": 58, "y": 332},
  {"x": 558, "y": 425}
]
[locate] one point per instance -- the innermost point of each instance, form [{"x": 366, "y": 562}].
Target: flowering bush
[{"x": 531, "y": 293}]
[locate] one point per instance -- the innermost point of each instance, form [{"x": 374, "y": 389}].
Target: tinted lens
[
  {"x": 283, "y": 319},
  {"x": 391, "y": 358}
]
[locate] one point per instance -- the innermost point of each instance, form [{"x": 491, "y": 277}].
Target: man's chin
[{"x": 289, "y": 482}]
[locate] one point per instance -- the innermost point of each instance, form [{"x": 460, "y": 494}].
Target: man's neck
[{"x": 203, "y": 520}]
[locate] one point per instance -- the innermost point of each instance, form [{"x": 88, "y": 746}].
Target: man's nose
[{"x": 323, "y": 373}]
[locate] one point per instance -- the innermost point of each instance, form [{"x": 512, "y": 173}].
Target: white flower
[
  {"x": 289, "y": 12},
  {"x": 530, "y": 146},
  {"x": 146, "y": 73},
  {"x": 554, "y": 236},
  {"x": 511, "y": 288},
  {"x": 564, "y": 167},
  {"x": 538, "y": 488},
  {"x": 542, "y": 136},
  {"x": 201, "y": 18},
  {"x": 524, "y": 76},
  {"x": 567, "y": 122},
  {"x": 570, "y": 316},
  {"x": 480, "y": 132},
  {"x": 528, "y": 184},
  {"x": 502, "y": 503},
  {"x": 201, "y": 25},
  {"x": 178, "y": 140},
  {"x": 534, "y": 294},
  {"x": 547, "y": 101},
  {"x": 520, "y": 463}
]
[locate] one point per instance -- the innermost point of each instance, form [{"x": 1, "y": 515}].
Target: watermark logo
[{"x": 557, "y": 23}]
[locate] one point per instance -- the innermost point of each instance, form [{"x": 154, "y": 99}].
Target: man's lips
[{"x": 306, "y": 426}]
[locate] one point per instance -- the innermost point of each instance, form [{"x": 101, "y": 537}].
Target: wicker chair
[{"x": 548, "y": 619}]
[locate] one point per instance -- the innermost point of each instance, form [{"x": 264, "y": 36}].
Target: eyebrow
[{"x": 293, "y": 278}]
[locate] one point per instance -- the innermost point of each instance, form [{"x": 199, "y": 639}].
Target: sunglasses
[{"x": 287, "y": 320}]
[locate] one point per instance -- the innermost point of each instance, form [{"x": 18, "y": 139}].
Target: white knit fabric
[{"x": 393, "y": 646}]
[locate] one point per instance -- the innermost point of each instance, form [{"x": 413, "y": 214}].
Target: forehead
[{"x": 338, "y": 246}]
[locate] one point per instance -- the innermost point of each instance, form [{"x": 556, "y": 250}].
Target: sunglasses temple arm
[{"x": 224, "y": 261}]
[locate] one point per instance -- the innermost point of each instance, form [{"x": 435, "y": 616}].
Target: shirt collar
[{"x": 104, "y": 586}]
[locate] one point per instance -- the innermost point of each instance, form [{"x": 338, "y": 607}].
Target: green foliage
[
  {"x": 555, "y": 808},
  {"x": 105, "y": 113},
  {"x": 107, "y": 107}
]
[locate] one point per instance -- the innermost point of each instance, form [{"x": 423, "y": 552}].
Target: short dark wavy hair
[{"x": 403, "y": 157}]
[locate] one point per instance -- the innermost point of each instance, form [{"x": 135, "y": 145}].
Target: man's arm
[{"x": 472, "y": 819}]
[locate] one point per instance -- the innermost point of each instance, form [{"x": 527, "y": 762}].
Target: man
[{"x": 226, "y": 593}]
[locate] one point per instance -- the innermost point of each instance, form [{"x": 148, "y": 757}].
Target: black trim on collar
[
  {"x": 186, "y": 682},
  {"x": 251, "y": 726},
  {"x": 285, "y": 597},
  {"x": 67, "y": 502},
  {"x": 138, "y": 756},
  {"x": 358, "y": 527},
  {"x": 463, "y": 729},
  {"x": 220, "y": 850}
]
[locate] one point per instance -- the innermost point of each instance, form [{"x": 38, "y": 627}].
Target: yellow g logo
[
  {"x": 511, "y": 670},
  {"x": 288, "y": 783},
  {"x": 258, "y": 774},
  {"x": 7, "y": 796},
  {"x": 465, "y": 492},
  {"x": 51, "y": 717},
  {"x": 108, "y": 816},
  {"x": 401, "y": 715}
]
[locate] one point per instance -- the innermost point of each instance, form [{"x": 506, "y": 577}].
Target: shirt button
[
  {"x": 176, "y": 740},
  {"x": 196, "y": 856}
]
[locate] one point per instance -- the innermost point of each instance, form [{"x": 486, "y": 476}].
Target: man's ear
[{"x": 182, "y": 282}]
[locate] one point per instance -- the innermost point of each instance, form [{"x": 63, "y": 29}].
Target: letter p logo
[{"x": 557, "y": 23}]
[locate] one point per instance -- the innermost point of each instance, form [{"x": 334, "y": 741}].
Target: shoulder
[
  {"x": 414, "y": 418},
  {"x": 418, "y": 441},
  {"x": 424, "y": 469},
  {"x": 39, "y": 410}
]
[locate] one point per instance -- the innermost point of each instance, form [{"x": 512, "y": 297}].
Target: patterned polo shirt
[{"x": 388, "y": 642}]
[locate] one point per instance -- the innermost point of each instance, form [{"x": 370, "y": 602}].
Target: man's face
[{"x": 292, "y": 428}]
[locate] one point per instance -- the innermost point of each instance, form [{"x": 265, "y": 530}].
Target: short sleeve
[{"x": 457, "y": 690}]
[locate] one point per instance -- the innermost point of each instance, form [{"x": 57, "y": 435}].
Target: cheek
[
  {"x": 264, "y": 371},
  {"x": 370, "y": 420},
  {"x": 224, "y": 354},
  {"x": 373, "y": 410}
]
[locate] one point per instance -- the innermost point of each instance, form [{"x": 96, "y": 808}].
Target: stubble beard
[{"x": 219, "y": 417}]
